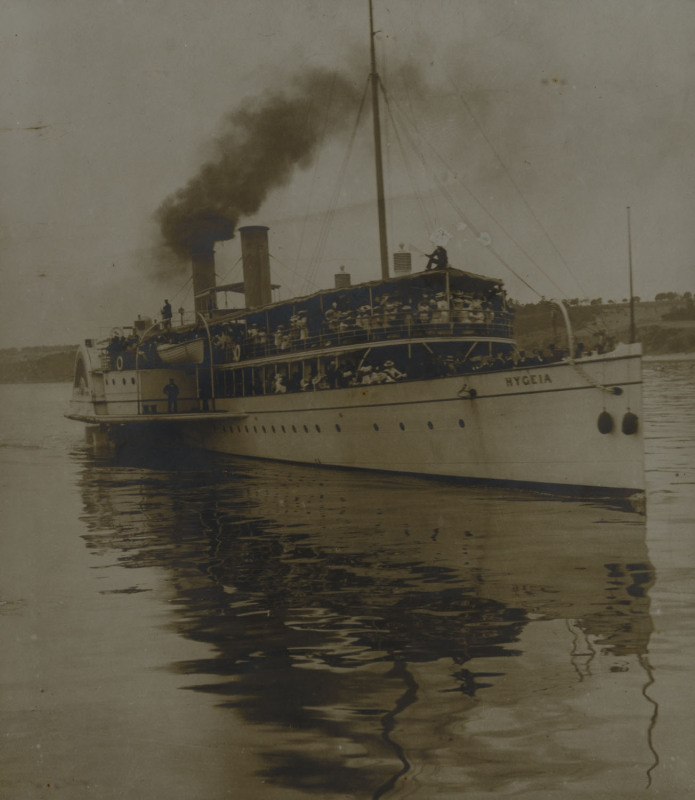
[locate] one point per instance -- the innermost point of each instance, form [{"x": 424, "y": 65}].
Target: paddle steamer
[{"x": 416, "y": 372}]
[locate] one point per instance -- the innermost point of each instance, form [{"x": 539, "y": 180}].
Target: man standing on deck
[
  {"x": 171, "y": 390},
  {"x": 167, "y": 314}
]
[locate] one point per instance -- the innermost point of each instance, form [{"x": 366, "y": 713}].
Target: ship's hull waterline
[{"x": 535, "y": 426}]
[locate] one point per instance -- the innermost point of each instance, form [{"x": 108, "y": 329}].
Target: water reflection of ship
[{"x": 331, "y": 604}]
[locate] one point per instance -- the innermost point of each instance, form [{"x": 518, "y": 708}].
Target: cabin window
[
  {"x": 306, "y": 430},
  {"x": 337, "y": 427},
  {"x": 430, "y": 425},
  {"x": 462, "y": 424},
  {"x": 401, "y": 426},
  {"x": 318, "y": 430},
  {"x": 294, "y": 429},
  {"x": 375, "y": 426}
]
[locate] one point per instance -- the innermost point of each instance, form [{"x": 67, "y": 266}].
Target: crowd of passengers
[
  {"x": 344, "y": 372},
  {"x": 386, "y": 317}
]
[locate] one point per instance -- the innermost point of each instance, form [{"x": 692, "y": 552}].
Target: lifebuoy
[
  {"x": 236, "y": 352},
  {"x": 119, "y": 363},
  {"x": 117, "y": 332}
]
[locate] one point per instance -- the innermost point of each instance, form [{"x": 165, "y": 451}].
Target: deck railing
[{"x": 330, "y": 334}]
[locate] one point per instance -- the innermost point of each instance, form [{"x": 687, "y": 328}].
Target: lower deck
[{"x": 561, "y": 424}]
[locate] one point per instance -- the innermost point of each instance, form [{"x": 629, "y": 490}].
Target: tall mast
[
  {"x": 632, "y": 292},
  {"x": 381, "y": 203}
]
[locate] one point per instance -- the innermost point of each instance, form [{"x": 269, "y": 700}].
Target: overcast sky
[{"x": 535, "y": 122}]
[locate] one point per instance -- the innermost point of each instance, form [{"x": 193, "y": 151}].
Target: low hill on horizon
[{"x": 663, "y": 327}]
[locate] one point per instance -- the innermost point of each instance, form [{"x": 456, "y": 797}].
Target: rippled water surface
[{"x": 190, "y": 626}]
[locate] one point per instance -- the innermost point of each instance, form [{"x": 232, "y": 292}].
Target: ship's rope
[
  {"x": 430, "y": 220},
  {"x": 450, "y": 199},
  {"x": 311, "y": 192},
  {"x": 584, "y": 374},
  {"x": 329, "y": 216},
  {"x": 313, "y": 286},
  {"x": 516, "y": 186},
  {"x": 227, "y": 277}
]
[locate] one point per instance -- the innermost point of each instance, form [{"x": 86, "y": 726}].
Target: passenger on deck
[
  {"x": 393, "y": 373},
  {"x": 366, "y": 375},
  {"x": 279, "y": 386},
  {"x": 167, "y": 314},
  {"x": 438, "y": 259},
  {"x": 171, "y": 390},
  {"x": 363, "y": 319},
  {"x": 378, "y": 376},
  {"x": 332, "y": 317},
  {"x": 424, "y": 310},
  {"x": 440, "y": 314}
]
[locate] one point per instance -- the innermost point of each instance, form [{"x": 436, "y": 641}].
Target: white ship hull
[{"x": 524, "y": 426}]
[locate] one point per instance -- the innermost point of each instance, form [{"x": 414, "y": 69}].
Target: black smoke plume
[{"x": 261, "y": 144}]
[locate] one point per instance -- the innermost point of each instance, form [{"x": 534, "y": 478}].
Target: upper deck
[{"x": 429, "y": 305}]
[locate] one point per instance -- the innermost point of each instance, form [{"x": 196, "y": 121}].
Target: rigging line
[
  {"x": 329, "y": 216},
  {"x": 429, "y": 221},
  {"x": 482, "y": 205},
  {"x": 185, "y": 284},
  {"x": 293, "y": 271},
  {"x": 229, "y": 272},
  {"x": 507, "y": 172},
  {"x": 445, "y": 192},
  {"x": 313, "y": 180},
  {"x": 314, "y": 258},
  {"x": 332, "y": 209}
]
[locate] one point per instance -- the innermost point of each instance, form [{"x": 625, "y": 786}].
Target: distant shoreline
[{"x": 537, "y": 326}]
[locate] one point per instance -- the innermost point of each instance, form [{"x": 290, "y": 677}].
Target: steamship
[{"x": 416, "y": 372}]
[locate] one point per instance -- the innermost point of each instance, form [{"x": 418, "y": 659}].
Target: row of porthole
[
  {"x": 430, "y": 425},
  {"x": 113, "y": 381}
]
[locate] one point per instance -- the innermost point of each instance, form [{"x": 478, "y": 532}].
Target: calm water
[{"x": 202, "y": 627}]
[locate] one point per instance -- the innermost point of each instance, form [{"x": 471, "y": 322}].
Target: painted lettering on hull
[{"x": 528, "y": 380}]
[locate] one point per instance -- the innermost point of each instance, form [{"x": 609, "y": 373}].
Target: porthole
[
  {"x": 337, "y": 427},
  {"x": 430, "y": 425},
  {"x": 246, "y": 428},
  {"x": 401, "y": 426},
  {"x": 318, "y": 430},
  {"x": 462, "y": 424},
  {"x": 306, "y": 430},
  {"x": 123, "y": 379},
  {"x": 263, "y": 429},
  {"x": 272, "y": 428},
  {"x": 238, "y": 428},
  {"x": 255, "y": 429},
  {"x": 375, "y": 426},
  {"x": 132, "y": 380},
  {"x": 294, "y": 429},
  {"x": 283, "y": 429}
]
